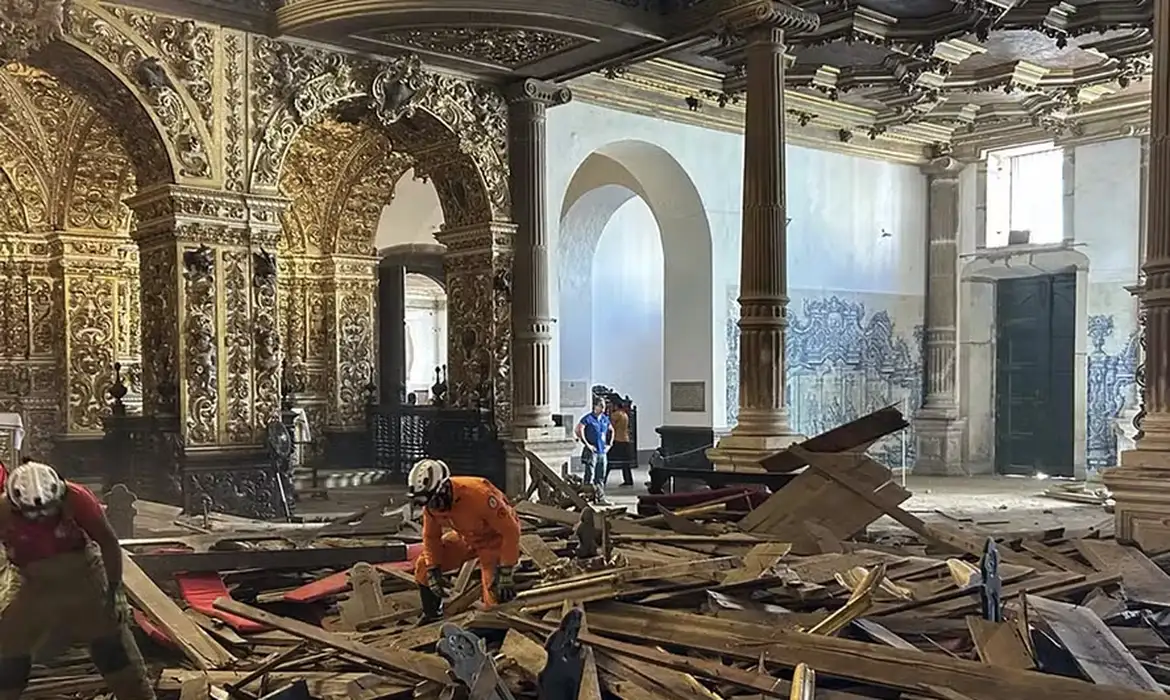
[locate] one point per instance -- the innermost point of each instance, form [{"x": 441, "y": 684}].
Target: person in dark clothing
[{"x": 623, "y": 455}]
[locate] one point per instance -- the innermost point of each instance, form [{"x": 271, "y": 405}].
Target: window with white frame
[{"x": 1025, "y": 195}]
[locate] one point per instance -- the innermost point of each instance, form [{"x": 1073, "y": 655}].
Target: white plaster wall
[
  {"x": 857, "y": 236},
  {"x": 1103, "y": 231},
  {"x": 426, "y": 331},
  {"x": 627, "y": 320},
  {"x": 713, "y": 162}
]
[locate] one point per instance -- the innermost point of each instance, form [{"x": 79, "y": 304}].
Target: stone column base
[
  {"x": 743, "y": 453},
  {"x": 552, "y": 445},
  {"x": 939, "y": 443},
  {"x": 1141, "y": 493}
]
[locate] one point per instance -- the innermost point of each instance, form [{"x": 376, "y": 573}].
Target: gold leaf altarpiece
[{"x": 198, "y": 204}]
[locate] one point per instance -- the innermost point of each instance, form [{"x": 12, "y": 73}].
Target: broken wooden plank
[
  {"x": 1098, "y": 653},
  {"x": 1143, "y": 581},
  {"x": 195, "y": 644},
  {"x": 412, "y": 663},
  {"x": 999, "y": 644}
]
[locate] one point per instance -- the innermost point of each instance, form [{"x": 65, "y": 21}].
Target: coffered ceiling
[{"x": 914, "y": 77}]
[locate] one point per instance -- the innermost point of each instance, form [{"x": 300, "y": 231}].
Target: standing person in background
[
  {"x": 596, "y": 432},
  {"x": 623, "y": 454}
]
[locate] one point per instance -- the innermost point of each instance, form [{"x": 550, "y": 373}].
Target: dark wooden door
[{"x": 1035, "y": 356}]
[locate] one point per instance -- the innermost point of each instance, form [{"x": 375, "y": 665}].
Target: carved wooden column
[
  {"x": 938, "y": 428},
  {"x": 1141, "y": 485},
  {"x": 209, "y": 311},
  {"x": 532, "y": 320},
  {"x": 763, "y": 426},
  {"x": 479, "y": 317}
]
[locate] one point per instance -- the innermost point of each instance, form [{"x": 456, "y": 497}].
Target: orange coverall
[{"x": 481, "y": 524}]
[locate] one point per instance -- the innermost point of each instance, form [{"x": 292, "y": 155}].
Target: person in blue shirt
[{"x": 595, "y": 431}]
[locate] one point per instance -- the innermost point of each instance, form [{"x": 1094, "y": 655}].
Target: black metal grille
[{"x": 465, "y": 439}]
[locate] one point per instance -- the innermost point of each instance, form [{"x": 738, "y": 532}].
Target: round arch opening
[
  {"x": 70, "y": 277},
  {"x": 633, "y": 290}
]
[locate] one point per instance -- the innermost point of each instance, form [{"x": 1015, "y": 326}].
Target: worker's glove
[
  {"x": 116, "y": 601},
  {"x": 503, "y": 585},
  {"x": 438, "y": 583}
]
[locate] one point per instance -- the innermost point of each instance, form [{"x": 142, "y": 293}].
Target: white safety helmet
[
  {"x": 427, "y": 477},
  {"x": 35, "y": 489}
]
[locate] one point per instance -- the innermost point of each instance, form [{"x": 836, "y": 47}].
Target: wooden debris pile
[{"x": 787, "y": 600}]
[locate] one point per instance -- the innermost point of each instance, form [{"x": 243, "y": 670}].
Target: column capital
[
  {"x": 531, "y": 90},
  {"x": 944, "y": 168},
  {"x": 766, "y": 14}
]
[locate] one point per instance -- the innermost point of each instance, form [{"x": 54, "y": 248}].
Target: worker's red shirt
[{"x": 71, "y": 530}]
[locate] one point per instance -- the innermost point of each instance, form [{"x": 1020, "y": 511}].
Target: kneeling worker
[
  {"x": 68, "y": 565},
  {"x": 481, "y": 524}
]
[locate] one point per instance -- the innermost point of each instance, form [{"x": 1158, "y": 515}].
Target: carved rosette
[{"x": 479, "y": 307}]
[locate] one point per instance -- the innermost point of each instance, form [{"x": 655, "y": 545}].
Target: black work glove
[
  {"x": 503, "y": 585},
  {"x": 438, "y": 583}
]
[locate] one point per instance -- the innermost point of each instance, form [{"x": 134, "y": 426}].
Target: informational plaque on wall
[
  {"x": 688, "y": 397},
  {"x": 574, "y": 394}
]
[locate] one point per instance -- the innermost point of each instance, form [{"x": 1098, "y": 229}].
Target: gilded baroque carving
[
  {"x": 500, "y": 46},
  {"x": 354, "y": 312},
  {"x": 29, "y": 25},
  {"x": 200, "y": 356},
  {"x": 175, "y": 103},
  {"x": 90, "y": 308},
  {"x": 479, "y": 307},
  {"x": 237, "y": 346},
  {"x": 294, "y": 86},
  {"x": 234, "y": 110},
  {"x": 267, "y": 356},
  {"x": 160, "y": 304}
]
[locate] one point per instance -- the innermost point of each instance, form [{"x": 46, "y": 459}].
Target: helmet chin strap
[{"x": 442, "y": 498}]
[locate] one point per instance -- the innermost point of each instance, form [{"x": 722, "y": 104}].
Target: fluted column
[
  {"x": 938, "y": 429},
  {"x": 1141, "y": 485},
  {"x": 528, "y": 101},
  {"x": 763, "y": 426}
]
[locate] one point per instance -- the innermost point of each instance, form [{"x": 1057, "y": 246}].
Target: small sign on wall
[{"x": 688, "y": 397}]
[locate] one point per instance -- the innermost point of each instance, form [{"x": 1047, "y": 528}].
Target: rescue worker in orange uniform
[
  {"x": 66, "y": 580},
  {"x": 479, "y": 523}
]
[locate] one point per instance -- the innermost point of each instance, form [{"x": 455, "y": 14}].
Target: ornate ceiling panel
[{"x": 499, "y": 48}]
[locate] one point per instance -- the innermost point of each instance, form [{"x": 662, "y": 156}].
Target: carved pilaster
[
  {"x": 209, "y": 312},
  {"x": 763, "y": 299},
  {"x": 479, "y": 308},
  {"x": 938, "y": 428},
  {"x": 351, "y": 289},
  {"x": 528, "y": 101},
  {"x": 89, "y": 274},
  {"x": 1141, "y": 485}
]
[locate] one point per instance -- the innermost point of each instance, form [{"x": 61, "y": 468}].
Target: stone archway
[
  {"x": 603, "y": 183},
  {"x": 451, "y": 133},
  {"x": 69, "y": 269}
]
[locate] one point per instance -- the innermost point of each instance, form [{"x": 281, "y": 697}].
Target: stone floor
[{"x": 991, "y": 504}]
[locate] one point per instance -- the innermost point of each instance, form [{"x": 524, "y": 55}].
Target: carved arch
[{"x": 456, "y": 130}]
